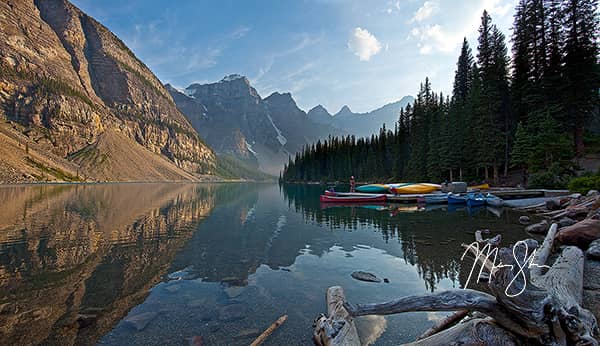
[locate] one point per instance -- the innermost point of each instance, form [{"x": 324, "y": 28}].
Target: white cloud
[
  {"x": 434, "y": 36},
  {"x": 428, "y": 9},
  {"x": 363, "y": 44},
  {"x": 445, "y": 33}
]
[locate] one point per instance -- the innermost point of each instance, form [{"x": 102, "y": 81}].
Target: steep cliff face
[{"x": 65, "y": 80}]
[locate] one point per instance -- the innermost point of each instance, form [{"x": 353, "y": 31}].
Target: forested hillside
[{"x": 527, "y": 111}]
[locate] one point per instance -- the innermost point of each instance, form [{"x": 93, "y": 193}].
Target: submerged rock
[
  {"x": 232, "y": 312},
  {"x": 195, "y": 340},
  {"x": 540, "y": 227},
  {"x": 365, "y": 276},
  {"x": 234, "y": 291},
  {"x": 248, "y": 333},
  {"x": 140, "y": 321}
]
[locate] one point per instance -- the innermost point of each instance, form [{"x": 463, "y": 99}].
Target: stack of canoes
[{"x": 399, "y": 188}]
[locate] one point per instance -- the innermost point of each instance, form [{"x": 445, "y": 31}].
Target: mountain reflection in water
[{"x": 176, "y": 263}]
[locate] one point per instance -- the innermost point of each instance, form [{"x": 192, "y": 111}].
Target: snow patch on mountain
[
  {"x": 249, "y": 147},
  {"x": 189, "y": 92},
  {"x": 282, "y": 140},
  {"x": 231, "y": 77}
]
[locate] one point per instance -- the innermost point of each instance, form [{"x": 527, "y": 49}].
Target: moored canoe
[
  {"x": 474, "y": 200},
  {"x": 338, "y": 199},
  {"x": 374, "y": 188},
  {"x": 415, "y": 188},
  {"x": 456, "y": 199},
  {"x": 442, "y": 198},
  {"x": 493, "y": 200}
]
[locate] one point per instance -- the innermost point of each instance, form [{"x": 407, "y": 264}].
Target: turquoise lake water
[{"x": 173, "y": 264}]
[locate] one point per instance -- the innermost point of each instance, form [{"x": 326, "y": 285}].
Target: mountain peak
[
  {"x": 320, "y": 109},
  {"x": 344, "y": 111},
  {"x": 233, "y": 77}
]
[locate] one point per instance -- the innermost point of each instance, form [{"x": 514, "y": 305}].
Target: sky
[{"x": 363, "y": 54}]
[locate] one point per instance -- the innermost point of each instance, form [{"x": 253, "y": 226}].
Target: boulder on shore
[{"x": 580, "y": 234}]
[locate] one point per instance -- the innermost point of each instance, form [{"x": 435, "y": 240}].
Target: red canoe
[{"x": 353, "y": 199}]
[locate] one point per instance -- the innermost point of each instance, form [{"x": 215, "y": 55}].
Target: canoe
[
  {"x": 415, "y": 188},
  {"x": 441, "y": 199},
  {"x": 371, "y": 205},
  {"x": 373, "y": 188},
  {"x": 474, "y": 200},
  {"x": 493, "y": 200},
  {"x": 456, "y": 199},
  {"x": 338, "y": 199},
  {"x": 480, "y": 187}
]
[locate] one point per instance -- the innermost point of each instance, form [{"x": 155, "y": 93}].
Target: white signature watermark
[{"x": 492, "y": 255}]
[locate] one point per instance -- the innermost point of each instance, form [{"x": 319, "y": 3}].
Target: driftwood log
[
  {"x": 533, "y": 300},
  {"x": 338, "y": 328}
]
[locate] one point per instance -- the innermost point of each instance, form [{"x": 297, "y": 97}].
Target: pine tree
[
  {"x": 581, "y": 72},
  {"x": 522, "y": 150}
]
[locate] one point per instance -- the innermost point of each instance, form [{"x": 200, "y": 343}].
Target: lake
[{"x": 173, "y": 264}]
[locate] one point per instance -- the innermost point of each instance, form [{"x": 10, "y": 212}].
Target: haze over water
[{"x": 138, "y": 264}]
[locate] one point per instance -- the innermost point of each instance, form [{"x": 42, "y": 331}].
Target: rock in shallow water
[
  {"x": 140, "y": 321},
  {"x": 524, "y": 220},
  {"x": 232, "y": 312},
  {"x": 365, "y": 276}
]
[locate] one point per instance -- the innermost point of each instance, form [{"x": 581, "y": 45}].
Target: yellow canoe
[
  {"x": 415, "y": 188},
  {"x": 480, "y": 187}
]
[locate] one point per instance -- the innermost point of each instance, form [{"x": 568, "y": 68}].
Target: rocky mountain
[
  {"x": 234, "y": 119},
  {"x": 361, "y": 124},
  {"x": 76, "y": 104}
]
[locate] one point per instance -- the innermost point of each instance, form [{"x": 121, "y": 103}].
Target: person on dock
[{"x": 352, "y": 184}]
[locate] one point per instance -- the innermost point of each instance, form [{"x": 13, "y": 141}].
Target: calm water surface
[{"x": 173, "y": 264}]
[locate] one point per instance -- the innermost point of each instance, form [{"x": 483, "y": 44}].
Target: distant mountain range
[
  {"x": 360, "y": 124},
  {"x": 233, "y": 118}
]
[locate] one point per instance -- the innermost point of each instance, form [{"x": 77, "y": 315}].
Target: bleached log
[
  {"x": 473, "y": 332},
  {"x": 450, "y": 300},
  {"x": 338, "y": 329},
  {"x": 445, "y": 323},
  {"x": 542, "y": 254}
]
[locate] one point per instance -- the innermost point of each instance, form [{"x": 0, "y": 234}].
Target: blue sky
[{"x": 363, "y": 54}]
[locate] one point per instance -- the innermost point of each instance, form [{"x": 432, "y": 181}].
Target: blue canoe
[
  {"x": 456, "y": 199},
  {"x": 493, "y": 200},
  {"x": 474, "y": 200},
  {"x": 374, "y": 188},
  {"x": 441, "y": 199}
]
